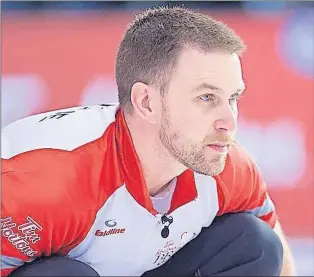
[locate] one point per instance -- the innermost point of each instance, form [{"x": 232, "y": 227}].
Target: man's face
[{"x": 199, "y": 116}]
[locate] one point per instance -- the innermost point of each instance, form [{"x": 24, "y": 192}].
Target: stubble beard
[{"x": 189, "y": 153}]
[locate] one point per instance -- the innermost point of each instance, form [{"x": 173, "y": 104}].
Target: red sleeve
[
  {"x": 241, "y": 188},
  {"x": 42, "y": 212}
]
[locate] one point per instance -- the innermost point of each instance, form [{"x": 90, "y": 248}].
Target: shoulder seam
[{"x": 12, "y": 171}]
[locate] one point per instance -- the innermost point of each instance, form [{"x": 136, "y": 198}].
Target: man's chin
[
  {"x": 210, "y": 168},
  {"x": 217, "y": 170},
  {"x": 216, "y": 166}
]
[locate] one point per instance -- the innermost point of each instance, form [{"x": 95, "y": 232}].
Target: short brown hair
[{"x": 153, "y": 41}]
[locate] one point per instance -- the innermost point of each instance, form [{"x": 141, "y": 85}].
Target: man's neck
[{"x": 158, "y": 166}]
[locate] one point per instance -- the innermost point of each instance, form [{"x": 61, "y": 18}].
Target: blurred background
[{"x": 61, "y": 54}]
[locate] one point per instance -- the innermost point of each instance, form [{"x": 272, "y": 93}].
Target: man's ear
[{"x": 141, "y": 98}]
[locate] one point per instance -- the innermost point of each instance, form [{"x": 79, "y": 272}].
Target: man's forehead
[
  {"x": 195, "y": 64},
  {"x": 213, "y": 57}
]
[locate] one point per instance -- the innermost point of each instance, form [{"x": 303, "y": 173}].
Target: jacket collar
[{"x": 132, "y": 175}]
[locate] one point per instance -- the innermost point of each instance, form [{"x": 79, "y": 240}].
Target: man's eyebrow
[
  {"x": 206, "y": 86},
  {"x": 212, "y": 87},
  {"x": 241, "y": 89}
]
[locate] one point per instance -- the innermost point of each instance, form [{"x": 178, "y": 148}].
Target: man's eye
[
  {"x": 235, "y": 97},
  {"x": 208, "y": 97}
]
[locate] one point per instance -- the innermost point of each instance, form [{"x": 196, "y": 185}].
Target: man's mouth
[{"x": 219, "y": 147}]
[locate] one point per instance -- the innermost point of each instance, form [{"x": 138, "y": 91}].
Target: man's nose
[{"x": 227, "y": 120}]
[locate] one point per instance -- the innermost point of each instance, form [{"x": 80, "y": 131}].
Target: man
[{"x": 156, "y": 186}]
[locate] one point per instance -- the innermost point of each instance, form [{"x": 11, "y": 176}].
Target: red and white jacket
[{"x": 72, "y": 185}]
